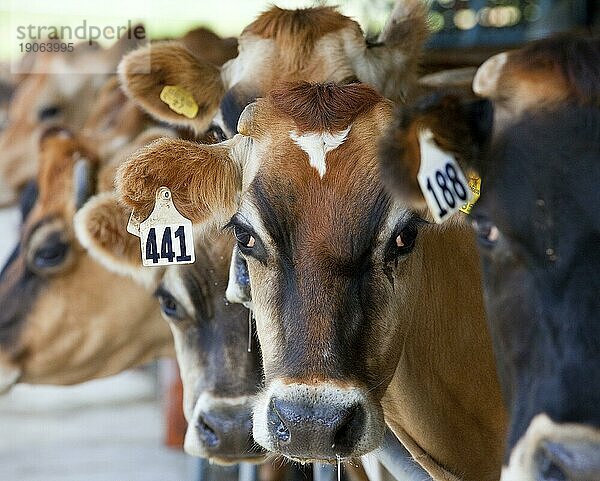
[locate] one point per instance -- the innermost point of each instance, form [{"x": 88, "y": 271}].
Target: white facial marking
[{"x": 317, "y": 144}]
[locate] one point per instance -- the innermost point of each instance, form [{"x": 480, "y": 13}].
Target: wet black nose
[
  {"x": 225, "y": 432},
  {"x": 316, "y": 431},
  {"x": 568, "y": 462}
]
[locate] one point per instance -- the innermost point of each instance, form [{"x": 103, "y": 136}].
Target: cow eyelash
[
  {"x": 403, "y": 239},
  {"x": 245, "y": 236}
]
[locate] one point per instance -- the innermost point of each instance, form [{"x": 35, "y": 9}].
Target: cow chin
[
  {"x": 549, "y": 451},
  {"x": 9, "y": 375},
  {"x": 318, "y": 422}
]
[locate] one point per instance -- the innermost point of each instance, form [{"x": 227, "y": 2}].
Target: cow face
[
  {"x": 220, "y": 377},
  {"x": 61, "y": 321},
  {"x": 539, "y": 233},
  {"x": 313, "y": 44},
  {"x": 59, "y": 89},
  {"x": 332, "y": 260}
]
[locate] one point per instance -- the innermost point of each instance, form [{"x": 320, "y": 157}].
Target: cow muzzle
[
  {"x": 317, "y": 422},
  {"x": 221, "y": 430},
  {"x": 555, "y": 452}
]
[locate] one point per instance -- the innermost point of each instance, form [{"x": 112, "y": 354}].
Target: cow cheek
[
  {"x": 268, "y": 325},
  {"x": 398, "y": 289}
]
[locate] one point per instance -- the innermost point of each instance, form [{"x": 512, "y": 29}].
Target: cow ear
[
  {"x": 233, "y": 104},
  {"x": 173, "y": 85},
  {"x": 460, "y": 128},
  {"x": 391, "y": 64},
  {"x": 459, "y": 79},
  {"x": 205, "y": 180},
  {"x": 101, "y": 228},
  {"x": 485, "y": 82}
]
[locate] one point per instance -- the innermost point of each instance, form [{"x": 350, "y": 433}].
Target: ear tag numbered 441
[
  {"x": 166, "y": 236},
  {"x": 441, "y": 179}
]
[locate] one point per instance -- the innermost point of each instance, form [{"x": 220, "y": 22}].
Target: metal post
[
  {"x": 324, "y": 472},
  {"x": 248, "y": 472}
]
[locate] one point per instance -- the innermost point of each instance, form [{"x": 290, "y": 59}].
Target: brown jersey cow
[{"x": 362, "y": 310}]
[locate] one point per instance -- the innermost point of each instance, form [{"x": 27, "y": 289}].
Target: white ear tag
[
  {"x": 166, "y": 236},
  {"x": 441, "y": 179},
  {"x": 133, "y": 226}
]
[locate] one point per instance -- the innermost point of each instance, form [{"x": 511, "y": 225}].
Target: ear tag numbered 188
[
  {"x": 166, "y": 236},
  {"x": 441, "y": 179}
]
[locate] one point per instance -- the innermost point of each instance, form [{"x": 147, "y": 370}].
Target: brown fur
[
  {"x": 55, "y": 343},
  {"x": 297, "y": 31},
  {"x": 44, "y": 86},
  {"x": 573, "y": 60},
  {"x": 187, "y": 169},
  {"x": 323, "y": 107},
  {"x": 208, "y": 46},
  {"x": 172, "y": 64}
]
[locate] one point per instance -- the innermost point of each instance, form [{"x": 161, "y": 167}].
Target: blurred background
[
  {"x": 113, "y": 429},
  {"x": 455, "y": 22}
]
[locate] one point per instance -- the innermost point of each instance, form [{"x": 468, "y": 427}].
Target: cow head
[
  {"x": 220, "y": 377},
  {"x": 331, "y": 259},
  {"x": 64, "y": 318},
  {"x": 539, "y": 235},
  {"x": 314, "y": 44},
  {"x": 59, "y": 88}
]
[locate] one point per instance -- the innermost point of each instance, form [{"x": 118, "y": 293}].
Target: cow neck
[{"x": 444, "y": 402}]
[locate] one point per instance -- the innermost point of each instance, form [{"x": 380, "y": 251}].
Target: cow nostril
[
  {"x": 549, "y": 471},
  {"x": 207, "y": 434},
  {"x": 348, "y": 427},
  {"x": 283, "y": 433},
  {"x": 281, "y": 430}
]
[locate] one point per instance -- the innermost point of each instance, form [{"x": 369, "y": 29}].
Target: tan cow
[
  {"x": 361, "y": 309},
  {"x": 60, "y": 88},
  {"x": 59, "y": 321},
  {"x": 313, "y": 44}
]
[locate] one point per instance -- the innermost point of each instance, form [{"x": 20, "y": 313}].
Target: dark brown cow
[
  {"x": 360, "y": 308},
  {"x": 538, "y": 227}
]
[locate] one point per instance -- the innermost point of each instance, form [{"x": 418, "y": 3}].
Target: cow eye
[
  {"x": 402, "y": 241},
  {"x": 49, "y": 112},
  {"x": 50, "y": 255},
  {"x": 487, "y": 232},
  {"x": 169, "y": 306},
  {"x": 244, "y": 238}
]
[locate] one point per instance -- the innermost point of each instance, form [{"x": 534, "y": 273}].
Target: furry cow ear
[
  {"x": 173, "y": 85},
  {"x": 391, "y": 64},
  {"x": 204, "y": 179},
  {"x": 460, "y": 127},
  {"x": 400, "y": 157},
  {"x": 101, "y": 228}
]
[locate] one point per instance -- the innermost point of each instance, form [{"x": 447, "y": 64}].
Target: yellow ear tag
[
  {"x": 179, "y": 100},
  {"x": 475, "y": 186}
]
